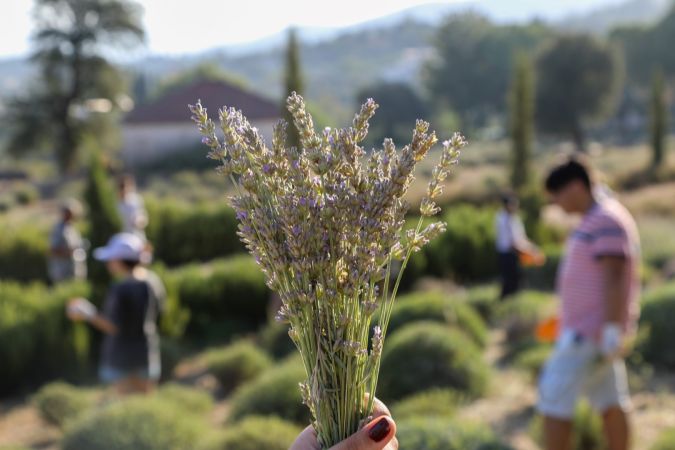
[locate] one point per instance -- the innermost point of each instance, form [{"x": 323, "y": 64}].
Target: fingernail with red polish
[{"x": 380, "y": 430}]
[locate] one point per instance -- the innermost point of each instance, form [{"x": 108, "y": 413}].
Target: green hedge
[
  {"x": 656, "y": 325},
  {"x": 37, "y": 341},
  {"x": 255, "y": 433},
  {"x": 521, "y": 313},
  {"x": 181, "y": 233},
  {"x": 237, "y": 363},
  {"x": 274, "y": 338},
  {"x": 544, "y": 277},
  {"x": 424, "y": 355},
  {"x": 438, "y": 307},
  {"x": 431, "y": 433},
  {"x": 224, "y": 298},
  {"x": 136, "y": 424},
  {"x": 432, "y": 403},
  {"x": 484, "y": 299},
  {"x": 274, "y": 393},
  {"x": 60, "y": 403},
  {"x": 23, "y": 254},
  {"x": 666, "y": 441},
  {"x": 466, "y": 251}
]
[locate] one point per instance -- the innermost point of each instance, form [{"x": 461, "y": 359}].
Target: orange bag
[{"x": 547, "y": 331}]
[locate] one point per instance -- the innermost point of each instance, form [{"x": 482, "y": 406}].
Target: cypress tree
[
  {"x": 294, "y": 83},
  {"x": 659, "y": 120},
  {"x": 521, "y": 101},
  {"x": 104, "y": 220}
]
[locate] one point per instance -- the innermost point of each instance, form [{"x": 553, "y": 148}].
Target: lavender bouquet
[{"x": 325, "y": 224}]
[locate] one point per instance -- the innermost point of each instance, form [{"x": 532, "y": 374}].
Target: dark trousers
[{"x": 509, "y": 268}]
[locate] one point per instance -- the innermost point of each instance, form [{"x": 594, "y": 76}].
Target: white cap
[{"x": 126, "y": 246}]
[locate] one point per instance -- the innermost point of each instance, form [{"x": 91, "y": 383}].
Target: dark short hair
[
  {"x": 509, "y": 198},
  {"x": 130, "y": 264},
  {"x": 574, "y": 168}
]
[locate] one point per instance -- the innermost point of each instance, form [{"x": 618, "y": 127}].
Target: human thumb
[{"x": 374, "y": 436}]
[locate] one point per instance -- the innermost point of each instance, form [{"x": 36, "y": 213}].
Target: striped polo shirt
[{"x": 607, "y": 229}]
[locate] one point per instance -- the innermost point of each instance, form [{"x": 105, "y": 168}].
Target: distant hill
[
  {"x": 602, "y": 20},
  {"x": 338, "y": 62}
]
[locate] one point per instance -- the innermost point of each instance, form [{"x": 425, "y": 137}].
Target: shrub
[
  {"x": 237, "y": 363},
  {"x": 104, "y": 221},
  {"x": 532, "y": 359},
  {"x": 23, "y": 254},
  {"x": 484, "y": 299},
  {"x": 544, "y": 277},
  {"x": 428, "y": 433},
  {"x": 438, "y": 307},
  {"x": 60, "y": 403},
  {"x": 37, "y": 341},
  {"x": 587, "y": 433},
  {"x": 183, "y": 233},
  {"x": 275, "y": 340},
  {"x": 658, "y": 315},
  {"x": 666, "y": 441},
  {"x": 224, "y": 298},
  {"x": 466, "y": 251},
  {"x": 185, "y": 397},
  {"x": 255, "y": 433},
  {"x": 424, "y": 355},
  {"x": 25, "y": 194},
  {"x": 274, "y": 392},
  {"x": 135, "y": 424},
  {"x": 432, "y": 403},
  {"x": 521, "y": 313}
]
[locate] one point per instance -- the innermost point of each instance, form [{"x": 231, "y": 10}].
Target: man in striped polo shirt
[{"x": 598, "y": 286}]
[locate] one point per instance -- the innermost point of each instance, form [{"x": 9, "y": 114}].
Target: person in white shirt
[
  {"x": 131, "y": 208},
  {"x": 511, "y": 242}
]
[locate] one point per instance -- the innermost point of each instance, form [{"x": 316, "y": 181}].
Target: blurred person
[
  {"x": 131, "y": 207},
  {"x": 130, "y": 355},
  {"x": 378, "y": 434},
  {"x": 512, "y": 243},
  {"x": 598, "y": 286},
  {"x": 67, "y": 254}
]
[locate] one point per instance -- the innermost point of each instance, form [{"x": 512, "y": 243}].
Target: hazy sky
[{"x": 183, "y": 26}]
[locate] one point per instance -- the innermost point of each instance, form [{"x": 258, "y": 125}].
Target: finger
[
  {"x": 306, "y": 440},
  {"x": 375, "y": 436},
  {"x": 380, "y": 409},
  {"x": 393, "y": 445}
]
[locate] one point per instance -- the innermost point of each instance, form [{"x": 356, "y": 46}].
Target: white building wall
[{"x": 143, "y": 143}]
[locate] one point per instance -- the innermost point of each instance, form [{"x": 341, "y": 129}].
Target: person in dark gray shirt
[{"x": 130, "y": 357}]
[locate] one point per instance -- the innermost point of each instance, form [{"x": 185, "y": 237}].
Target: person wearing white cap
[{"x": 130, "y": 358}]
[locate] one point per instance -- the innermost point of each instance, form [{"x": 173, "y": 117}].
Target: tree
[
  {"x": 521, "y": 99},
  {"x": 104, "y": 220},
  {"x": 647, "y": 48},
  {"x": 75, "y": 81},
  {"x": 659, "y": 119},
  {"x": 400, "y": 106},
  {"x": 294, "y": 83},
  {"x": 579, "y": 81},
  {"x": 206, "y": 71},
  {"x": 471, "y": 71}
]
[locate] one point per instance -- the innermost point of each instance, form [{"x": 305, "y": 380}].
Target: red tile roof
[{"x": 173, "y": 107}]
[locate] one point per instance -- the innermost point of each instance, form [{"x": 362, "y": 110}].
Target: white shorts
[{"x": 575, "y": 369}]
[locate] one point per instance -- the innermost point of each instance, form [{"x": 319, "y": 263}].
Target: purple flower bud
[
  {"x": 242, "y": 215},
  {"x": 296, "y": 230},
  {"x": 206, "y": 140},
  {"x": 267, "y": 168}
]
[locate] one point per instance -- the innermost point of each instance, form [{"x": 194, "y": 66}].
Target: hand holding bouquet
[{"x": 325, "y": 223}]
